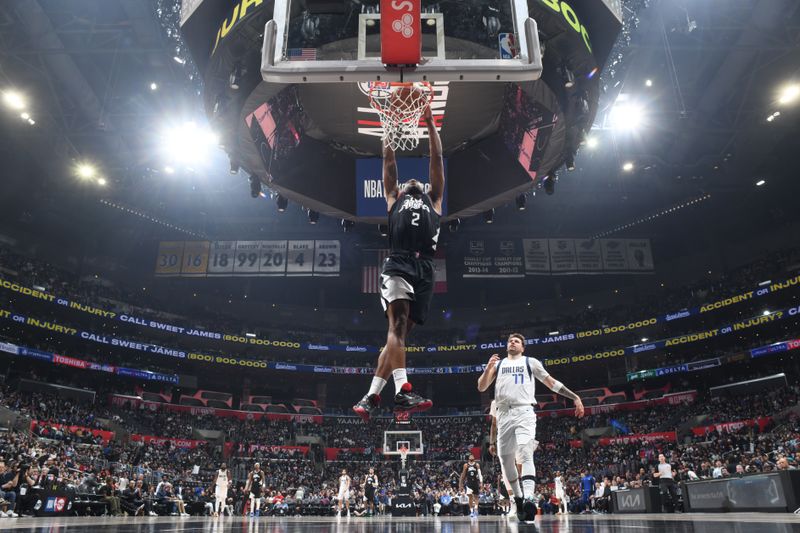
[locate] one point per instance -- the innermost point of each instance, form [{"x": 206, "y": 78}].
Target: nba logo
[{"x": 508, "y": 45}]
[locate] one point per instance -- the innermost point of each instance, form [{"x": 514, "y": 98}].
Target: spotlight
[
  {"x": 25, "y": 116},
  {"x": 313, "y": 217},
  {"x": 549, "y": 184},
  {"x": 154, "y": 86},
  {"x": 626, "y": 116},
  {"x": 102, "y": 182},
  {"x": 648, "y": 83},
  {"x": 169, "y": 170},
  {"x": 789, "y": 94},
  {"x": 255, "y": 187},
  {"x": 453, "y": 225},
  {"x": 14, "y": 100},
  {"x": 179, "y": 60},
  {"x": 86, "y": 171},
  {"x": 760, "y": 183},
  {"x": 488, "y": 216},
  {"x": 592, "y": 143},
  {"x": 383, "y": 229},
  {"x": 628, "y": 166},
  {"x": 347, "y": 225},
  {"x": 522, "y": 200},
  {"x": 282, "y": 202}
]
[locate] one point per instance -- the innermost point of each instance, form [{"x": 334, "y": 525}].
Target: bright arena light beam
[
  {"x": 789, "y": 94},
  {"x": 626, "y": 116},
  {"x": 14, "y": 100},
  {"x": 86, "y": 170},
  {"x": 188, "y": 144}
]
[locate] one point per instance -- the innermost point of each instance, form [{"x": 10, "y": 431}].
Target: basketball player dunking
[
  {"x": 344, "y": 492},
  {"x": 407, "y": 276},
  {"x": 220, "y": 490},
  {"x": 515, "y": 393},
  {"x": 471, "y": 477},
  {"x": 370, "y": 486},
  {"x": 253, "y": 488}
]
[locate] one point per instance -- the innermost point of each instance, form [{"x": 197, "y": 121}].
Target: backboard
[
  {"x": 327, "y": 41},
  {"x": 394, "y": 441}
]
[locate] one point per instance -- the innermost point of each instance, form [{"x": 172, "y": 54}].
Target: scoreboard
[{"x": 248, "y": 258}]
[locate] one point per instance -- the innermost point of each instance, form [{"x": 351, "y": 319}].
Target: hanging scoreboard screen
[{"x": 248, "y": 258}]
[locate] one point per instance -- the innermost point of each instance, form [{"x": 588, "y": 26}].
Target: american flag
[
  {"x": 373, "y": 262},
  {"x": 302, "y": 54},
  {"x": 371, "y": 270}
]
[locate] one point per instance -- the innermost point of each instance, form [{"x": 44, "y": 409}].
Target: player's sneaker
[
  {"x": 409, "y": 401},
  {"x": 519, "y": 505},
  {"x": 368, "y": 405},
  {"x": 529, "y": 508}
]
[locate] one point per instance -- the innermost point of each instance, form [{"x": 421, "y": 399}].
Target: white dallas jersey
[
  {"x": 222, "y": 479},
  {"x": 515, "y": 385},
  {"x": 344, "y": 483},
  {"x": 559, "y": 485}
]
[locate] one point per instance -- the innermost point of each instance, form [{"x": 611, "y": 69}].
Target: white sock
[
  {"x": 400, "y": 379},
  {"x": 377, "y": 385}
]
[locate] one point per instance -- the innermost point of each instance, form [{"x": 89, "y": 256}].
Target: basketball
[{"x": 408, "y": 99}]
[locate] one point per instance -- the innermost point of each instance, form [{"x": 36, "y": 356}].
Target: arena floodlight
[
  {"x": 645, "y": 339},
  {"x": 14, "y": 100},
  {"x": 789, "y": 94},
  {"x": 488, "y": 216},
  {"x": 153, "y": 86},
  {"x": 189, "y": 143},
  {"x": 627, "y": 166},
  {"x": 553, "y": 333},
  {"x": 522, "y": 201},
  {"x": 766, "y": 312},
  {"x": 592, "y": 143},
  {"x": 760, "y": 183},
  {"x": 313, "y": 216},
  {"x": 648, "y": 83},
  {"x": 282, "y": 202},
  {"x": 102, "y": 182},
  {"x": 626, "y": 116},
  {"x": 86, "y": 171}
]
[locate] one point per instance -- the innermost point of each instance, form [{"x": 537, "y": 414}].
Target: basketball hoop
[
  {"x": 400, "y": 107},
  {"x": 403, "y": 456}
]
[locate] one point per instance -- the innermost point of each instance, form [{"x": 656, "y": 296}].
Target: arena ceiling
[{"x": 716, "y": 70}]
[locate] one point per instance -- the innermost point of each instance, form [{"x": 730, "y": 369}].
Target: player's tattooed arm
[{"x": 559, "y": 388}]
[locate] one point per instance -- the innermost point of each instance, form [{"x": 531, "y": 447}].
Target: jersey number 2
[{"x": 415, "y": 219}]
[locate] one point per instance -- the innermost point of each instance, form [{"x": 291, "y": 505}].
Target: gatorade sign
[{"x": 401, "y": 32}]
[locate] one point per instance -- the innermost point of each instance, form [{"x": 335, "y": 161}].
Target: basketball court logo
[{"x": 404, "y": 26}]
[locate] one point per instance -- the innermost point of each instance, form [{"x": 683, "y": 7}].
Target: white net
[{"x": 400, "y": 107}]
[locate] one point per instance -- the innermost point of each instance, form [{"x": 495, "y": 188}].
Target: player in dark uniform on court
[
  {"x": 407, "y": 275},
  {"x": 370, "y": 485},
  {"x": 253, "y": 488},
  {"x": 472, "y": 478}
]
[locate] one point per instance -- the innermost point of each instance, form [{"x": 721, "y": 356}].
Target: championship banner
[
  {"x": 729, "y": 427},
  {"x": 494, "y": 259},
  {"x": 249, "y": 258},
  {"x": 535, "y": 249},
  {"x": 537, "y": 256},
  {"x": 562, "y": 256}
]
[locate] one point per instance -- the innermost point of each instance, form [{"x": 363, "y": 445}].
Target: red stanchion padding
[{"x": 401, "y": 32}]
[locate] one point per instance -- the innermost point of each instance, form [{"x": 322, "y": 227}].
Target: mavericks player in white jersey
[
  {"x": 344, "y": 492},
  {"x": 220, "y": 490},
  {"x": 560, "y": 493},
  {"x": 514, "y": 395}
]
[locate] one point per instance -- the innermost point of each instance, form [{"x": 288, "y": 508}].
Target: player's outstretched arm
[
  {"x": 389, "y": 177},
  {"x": 437, "y": 163},
  {"x": 489, "y": 373},
  {"x": 559, "y": 388}
]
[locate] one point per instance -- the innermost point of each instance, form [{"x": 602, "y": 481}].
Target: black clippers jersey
[
  {"x": 472, "y": 473},
  {"x": 413, "y": 226}
]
